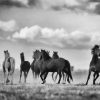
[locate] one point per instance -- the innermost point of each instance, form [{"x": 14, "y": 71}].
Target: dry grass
[
  {"x": 34, "y": 90},
  {"x": 49, "y": 92}
]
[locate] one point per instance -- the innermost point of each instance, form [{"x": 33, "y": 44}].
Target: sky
[{"x": 70, "y": 27}]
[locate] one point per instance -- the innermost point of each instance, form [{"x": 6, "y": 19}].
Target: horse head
[
  {"x": 36, "y": 54},
  {"x": 95, "y": 50},
  {"x": 45, "y": 55},
  {"x": 6, "y": 53},
  {"x": 55, "y": 55},
  {"x": 22, "y": 56}
]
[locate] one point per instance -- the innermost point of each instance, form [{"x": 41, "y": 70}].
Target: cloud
[
  {"x": 87, "y": 6},
  {"x": 96, "y": 4},
  {"x": 8, "y": 25},
  {"x": 17, "y": 3},
  {"x": 72, "y": 5},
  {"x": 57, "y": 37}
]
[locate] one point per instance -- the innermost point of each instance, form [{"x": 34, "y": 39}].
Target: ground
[
  {"x": 49, "y": 92},
  {"x": 34, "y": 90}
]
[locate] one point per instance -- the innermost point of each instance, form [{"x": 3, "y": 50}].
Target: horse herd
[{"x": 43, "y": 63}]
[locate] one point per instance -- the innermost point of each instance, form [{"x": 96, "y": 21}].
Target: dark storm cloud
[
  {"x": 11, "y": 3},
  {"x": 20, "y": 3},
  {"x": 97, "y": 7},
  {"x": 34, "y": 2},
  {"x": 57, "y": 5},
  {"x": 94, "y": 0}
]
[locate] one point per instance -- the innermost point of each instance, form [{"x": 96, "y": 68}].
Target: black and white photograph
[{"x": 49, "y": 49}]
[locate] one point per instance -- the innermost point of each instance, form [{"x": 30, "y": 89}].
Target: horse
[
  {"x": 53, "y": 65},
  {"x": 35, "y": 66},
  {"x": 56, "y": 56},
  {"x": 24, "y": 67},
  {"x": 8, "y": 67},
  {"x": 94, "y": 64}
]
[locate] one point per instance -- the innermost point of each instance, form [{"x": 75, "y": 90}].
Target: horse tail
[
  {"x": 68, "y": 68},
  {"x": 70, "y": 74}
]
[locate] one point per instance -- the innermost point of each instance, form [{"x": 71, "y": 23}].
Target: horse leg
[
  {"x": 45, "y": 76},
  {"x": 12, "y": 79},
  {"x": 12, "y": 70},
  {"x": 53, "y": 76},
  {"x": 60, "y": 75},
  {"x": 43, "y": 81},
  {"x": 88, "y": 76},
  {"x": 95, "y": 78},
  {"x": 4, "y": 77},
  {"x": 25, "y": 75},
  {"x": 64, "y": 78},
  {"x": 67, "y": 75},
  {"x": 7, "y": 74},
  {"x": 20, "y": 76}
]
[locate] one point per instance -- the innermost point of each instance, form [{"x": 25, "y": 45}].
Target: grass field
[
  {"x": 49, "y": 92},
  {"x": 34, "y": 90}
]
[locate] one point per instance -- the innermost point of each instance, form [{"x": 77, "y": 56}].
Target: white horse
[{"x": 8, "y": 67}]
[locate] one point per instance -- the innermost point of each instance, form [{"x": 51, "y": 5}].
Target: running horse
[
  {"x": 94, "y": 64},
  {"x": 24, "y": 67},
  {"x": 56, "y": 56},
  {"x": 8, "y": 67},
  {"x": 53, "y": 65}
]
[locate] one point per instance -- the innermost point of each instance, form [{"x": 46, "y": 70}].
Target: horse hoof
[
  {"x": 86, "y": 83},
  {"x": 7, "y": 81},
  {"x": 63, "y": 83},
  {"x": 43, "y": 82},
  {"x": 93, "y": 83}
]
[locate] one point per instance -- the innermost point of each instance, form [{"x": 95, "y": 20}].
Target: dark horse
[
  {"x": 53, "y": 65},
  {"x": 24, "y": 67},
  {"x": 94, "y": 64},
  {"x": 56, "y": 56}
]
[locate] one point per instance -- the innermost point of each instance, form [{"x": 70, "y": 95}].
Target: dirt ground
[{"x": 49, "y": 92}]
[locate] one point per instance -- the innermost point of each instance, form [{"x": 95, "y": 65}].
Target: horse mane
[
  {"x": 45, "y": 55},
  {"x": 94, "y": 48},
  {"x": 95, "y": 56}
]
